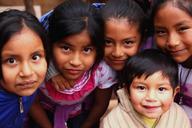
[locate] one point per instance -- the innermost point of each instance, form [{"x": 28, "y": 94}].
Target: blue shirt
[{"x": 10, "y": 112}]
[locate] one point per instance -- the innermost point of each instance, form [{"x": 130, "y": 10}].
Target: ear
[{"x": 176, "y": 90}]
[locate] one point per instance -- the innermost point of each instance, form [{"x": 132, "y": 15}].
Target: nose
[
  {"x": 173, "y": 40},
  {"x": 75, "y": 60},
  {"x": 117, "y": 52},
  {"x": 26, "y": 70},
  {"x": 151, "y": 96}
]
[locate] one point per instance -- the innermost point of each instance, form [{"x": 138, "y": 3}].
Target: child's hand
[{"x": 60, "y": 83}]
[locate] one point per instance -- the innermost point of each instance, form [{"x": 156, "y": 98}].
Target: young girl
[
  {"x": 173, "y": 34},
  {"x": 23, "y": 65},
  {"x": 146, "y": 101},
  {"x": 77, "y": 41},
  {"x": 125, "y": 30}
]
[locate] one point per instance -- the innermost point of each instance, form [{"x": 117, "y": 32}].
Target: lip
[
  {"x": 151, "y": 108},
  {"x": 177, "y": 52},
  {"x": 73, "y": 71},
  {"x": 26, "y": 84},
  {"x": 117, "y": 61}
]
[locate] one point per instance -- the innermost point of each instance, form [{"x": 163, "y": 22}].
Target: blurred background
[{"x": 37, "y": 7}]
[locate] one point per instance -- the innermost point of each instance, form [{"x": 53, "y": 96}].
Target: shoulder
[
  {"x": 116, "y": 118},
  {"x": 110, "y": 120},
  {"x": 104, "y": 69},
  {"x": 176, "y": 116},
  {"x": 104, "y": 76}
]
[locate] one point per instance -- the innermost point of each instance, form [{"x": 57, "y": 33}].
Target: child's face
[
  {"x": 74, "y": 55},
  {"x": 173, "y": 32},
  {"x": 122, "y": 41},
  {"x": 23, "y": 63},
  {"x": 151, "y": 97}
]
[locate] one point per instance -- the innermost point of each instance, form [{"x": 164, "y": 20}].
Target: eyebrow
[
  {"x": 129, "y": 38},
  {"x": 177, "y": 24},
  {"x": 70, "y": 45}
]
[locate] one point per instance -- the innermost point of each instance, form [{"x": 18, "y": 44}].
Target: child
[
  {"x": 23, "y": 65},
  {"x": 125, "y": 31},
  {"x": 76, "y": 34},
  {"x": 146, "y": 101},
  {"x": 173, "y": 34}
]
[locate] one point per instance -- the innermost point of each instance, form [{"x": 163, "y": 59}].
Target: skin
[
  {"x": 122, "y": 41},
  {"x": 74, "y": 55},
  {"x": 23, "y": 63},
  {"x": 151, "y": 98},
  {"x": 173, "y": 32}
]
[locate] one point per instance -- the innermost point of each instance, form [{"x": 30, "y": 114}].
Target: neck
[{"x": 187, "y": 63}]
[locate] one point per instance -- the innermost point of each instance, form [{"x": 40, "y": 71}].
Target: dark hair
[
  {"x": 72, "y": 17},
  {"x": 147, "y": 63},
  {"x": 127, "y": 9},
  {"x": 185, "y": 5},
  {"x": 13, "y": 21}
]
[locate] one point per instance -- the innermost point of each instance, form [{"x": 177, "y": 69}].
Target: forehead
[
  {"x": 171, "y": 14},
  {"x": 120, "y": 27},
  {"x": 23, "y": 42},
  {"x": 79, "y": 39},
  {"x": 156, "y": 78}
]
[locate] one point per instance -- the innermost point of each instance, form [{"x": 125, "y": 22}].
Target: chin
[
  {"x": 26, "y": 93},
  {"x": 116, "y": 68},
  {"x": 153, "y": 116}
]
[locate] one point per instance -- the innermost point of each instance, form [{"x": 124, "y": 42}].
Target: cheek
[
  {"x": 166, "y": 101},
  {"x": 108, "y": 51},
  {"x": 42, "y": 69},
  {"x": 9, "y": 74},
  {"x": 131, "y": 52},
  {"x": 89, "y": 61},
  {"x": 135, "y": 97},
  {"x": 160, "y": 43},
  {"x": 60, "y": 59}
]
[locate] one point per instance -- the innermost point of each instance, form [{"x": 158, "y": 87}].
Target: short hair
[
  {"x": 129, "y": 10},
  {"x": 147, "y": 63},
  {"x": 72, "y": 17},
  {"x": 13, "y": 21}
]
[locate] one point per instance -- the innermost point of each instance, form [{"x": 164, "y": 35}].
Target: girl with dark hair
[
  {"x": 146, "y": 101},
  {"x": 23, "y": 65},
  {"x": 76, "y": 36},
  {"x": 124, "y": 29},
  {"x": 172, "y": 20}
]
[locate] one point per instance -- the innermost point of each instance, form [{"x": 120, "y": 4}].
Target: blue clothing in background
[{"x": 45, "y": 18}]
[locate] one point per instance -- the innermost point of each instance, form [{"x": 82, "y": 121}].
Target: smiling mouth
[
  {"x": 118, "y": 61},
  {"x": 151, "y": 108},
  {"x": 177, "y": 52}
]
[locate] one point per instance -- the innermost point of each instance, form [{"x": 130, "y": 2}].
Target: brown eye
[
  {"x": 108, "y": 42},
  {"x": 36, "y": 57},
  {"x": 88, "y": 50},
  {"x": 11, "y": 60},
  {"x": 162, "y": 89}
]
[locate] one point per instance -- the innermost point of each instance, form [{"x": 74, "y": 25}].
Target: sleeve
[
  {"x": 51, "y": 72},
  {"x": 105, "y": 76}
]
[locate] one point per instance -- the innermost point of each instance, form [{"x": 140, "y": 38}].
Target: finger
[
  {"x": 66, "y": 84},
  {"x": 71, "y": 84},
  {"x": 56, "y": 87},
  {"x": 61, "y": 86}
]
